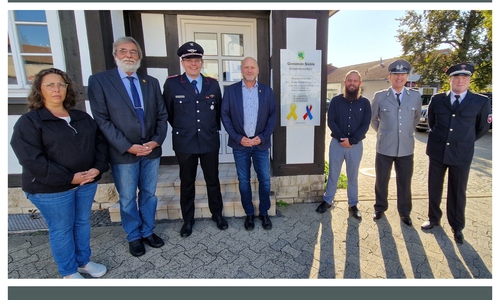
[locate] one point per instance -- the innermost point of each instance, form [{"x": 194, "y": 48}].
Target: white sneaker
[
  {"x": 94, "y": 269},
  {"x": 74, "y": 276}
]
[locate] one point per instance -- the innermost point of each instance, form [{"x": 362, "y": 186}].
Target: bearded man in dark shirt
[{"x": 349, "y": 117}]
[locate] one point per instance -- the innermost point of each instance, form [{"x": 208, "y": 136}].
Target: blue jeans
[
  {"x": 243, "y": 160},
  {"x": 137, "y": 211},
  {"x": 68, "y": 217}
]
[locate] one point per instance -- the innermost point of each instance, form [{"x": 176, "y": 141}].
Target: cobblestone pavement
[{"x": 302, "y": 243}]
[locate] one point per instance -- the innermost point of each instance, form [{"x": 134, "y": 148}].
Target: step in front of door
[{"x": 169, "y": 207}]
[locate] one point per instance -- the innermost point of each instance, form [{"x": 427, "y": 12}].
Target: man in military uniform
[
  {"x": 193, "y": 105},
  {"x": 457, "y": 119},
  {"x": 395, "y": 114}
]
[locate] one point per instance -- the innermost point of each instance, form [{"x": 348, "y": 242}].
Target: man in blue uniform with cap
[
  {"x": 395, "y": 114},
  {"x": 457, "y": 119},
  {"x": 193, "y": 104}
]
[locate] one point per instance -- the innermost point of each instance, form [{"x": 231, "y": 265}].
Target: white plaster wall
[
  {"x": 83, "y": 44},
  {"x": 13, "y": 165},
  {"x": 153, "y": 29}
]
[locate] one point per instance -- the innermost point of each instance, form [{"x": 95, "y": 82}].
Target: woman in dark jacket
[{"x": 63, "y": 155}]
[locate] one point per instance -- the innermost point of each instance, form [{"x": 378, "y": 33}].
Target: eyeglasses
[
  {"x": 51, "y": 86},
  {"x": 125, "y": 51},
  {"x": 192, "y": 60}
]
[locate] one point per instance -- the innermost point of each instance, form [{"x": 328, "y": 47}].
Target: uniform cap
[
  {"x": 460, "y": 69},
  {"x": 399, "y": 66},
  {"x": 190, "y": 49}
]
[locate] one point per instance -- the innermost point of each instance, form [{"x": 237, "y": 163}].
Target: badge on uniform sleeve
[{"x": 489, "y": 118}]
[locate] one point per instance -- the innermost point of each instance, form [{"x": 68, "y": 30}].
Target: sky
[{"x": 359, "y": 36}]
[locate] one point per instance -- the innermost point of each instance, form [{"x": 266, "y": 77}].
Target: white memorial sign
[{"x": 300, "y": 87}]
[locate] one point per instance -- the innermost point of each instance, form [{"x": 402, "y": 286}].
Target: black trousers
[
  {"x": 404, "y": 170},
  {"x": 458, "y": 177},
  {"x": 188, "y": 164}
]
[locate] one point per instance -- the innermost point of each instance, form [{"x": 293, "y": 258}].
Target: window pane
[
  {"x": 34, "y": 64},
  {"x": 211, "y": 68},
  {"x": 30, "y": 15},
  {"x": 12, "y": 71},
  {"x": 232, "y": 44},
  {"x": 231, "y": 70},
  {"x": 208, "y": 41},
  {"x": 34, "y": 39}
]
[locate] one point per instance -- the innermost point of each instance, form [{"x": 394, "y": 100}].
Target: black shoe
[
  {"x": 429, "y": 225},
  {"x": 266, "y": 222},
  {"x": 187, "y": 229},
  {"x": 377, "y": 215},
  {"x": 355, "y": 212},
  {"x": 249, "y": 223},
  {"x": 406, "y": 220},
  {"x": 323, "y": 207},
  {"x": 154, "y": 241},
  {"x": 221, "y": 222},
  {"x": 136, "y": 248},
  {"x": 458, "y": 236}
]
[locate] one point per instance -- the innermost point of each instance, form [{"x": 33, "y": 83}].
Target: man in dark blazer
[
  {"x": 249, "y": 116},
  {"x": 457, "y": 119},
  {"x": 193, "y": 105},
  {"x": 395, "y": 114},
  {"x": 130, "y": 112}
]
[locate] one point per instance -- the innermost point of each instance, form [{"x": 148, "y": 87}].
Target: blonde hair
[{"x": 350, "y": 72}]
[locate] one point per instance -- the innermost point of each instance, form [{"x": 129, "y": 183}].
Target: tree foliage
[{"x": 436, "y": 39}]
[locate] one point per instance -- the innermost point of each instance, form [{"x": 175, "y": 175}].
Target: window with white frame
[{"x": 34, "y": 43}]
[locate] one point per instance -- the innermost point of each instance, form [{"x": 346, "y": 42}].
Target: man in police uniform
[
  {"x": 193, "y": 105},
  {"x": 395, "y": 114},
  {"x": 457, "y": 119}
]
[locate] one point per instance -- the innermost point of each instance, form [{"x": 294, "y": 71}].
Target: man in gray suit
[
  {"x": 395, "y": 114},
  {"x": 130, "y": 112}
]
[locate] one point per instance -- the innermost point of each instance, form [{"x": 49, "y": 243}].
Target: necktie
[
  {"x": 397, "y": 98},
  {"x": 137, "y": 106},
  {"x": 457, "y": 102},
  {"x": 194, "y": 82}
]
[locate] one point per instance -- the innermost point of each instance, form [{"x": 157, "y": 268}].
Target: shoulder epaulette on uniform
[{"x": 172, "y": 76}]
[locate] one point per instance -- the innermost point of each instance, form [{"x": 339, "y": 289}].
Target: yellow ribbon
[{"x": 292, "y": 113}]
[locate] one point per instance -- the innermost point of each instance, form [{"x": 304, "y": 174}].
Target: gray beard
[{"x": 127, "y": 68}]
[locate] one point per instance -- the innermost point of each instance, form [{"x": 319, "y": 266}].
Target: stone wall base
[{"x": 289, "y": 189}]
